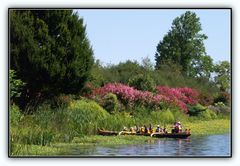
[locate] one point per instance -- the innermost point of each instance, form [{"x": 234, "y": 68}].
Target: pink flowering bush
[
  {"x": 180, "y": 96},
  {"x": 131, "y": 97}
]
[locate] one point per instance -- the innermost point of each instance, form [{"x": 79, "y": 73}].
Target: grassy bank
[{"x": 218, "y": 126}]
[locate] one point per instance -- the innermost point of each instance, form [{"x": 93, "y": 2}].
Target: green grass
[
  {"x": 18, "y": 150},
  {"x": 217, "y": 126},
  {"x": 111, "y": 140}
]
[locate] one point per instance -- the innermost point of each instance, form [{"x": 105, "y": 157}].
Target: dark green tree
[
  {"x": 183, "y": 44},
  {"x": 50, "y": 51}
]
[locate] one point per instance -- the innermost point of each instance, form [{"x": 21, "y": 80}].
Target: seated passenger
[
  {"x": 125, "y": 128},
  {"x": 150, "y": 129},
  {"x": 158, "y": 128},
  {"x": 165, "y": 130},
  {"x": 145, "y": 129}
]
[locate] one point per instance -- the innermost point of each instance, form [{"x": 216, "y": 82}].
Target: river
[{"x": 195, "y": 146}]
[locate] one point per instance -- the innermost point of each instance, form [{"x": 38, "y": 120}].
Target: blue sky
[{"x": 119, "y": 35}]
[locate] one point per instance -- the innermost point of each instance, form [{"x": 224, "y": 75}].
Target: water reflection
[{"x": 216, "y": 145}]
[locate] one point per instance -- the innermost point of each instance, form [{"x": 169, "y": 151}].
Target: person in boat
[
  {"x": 179, "y": 127},
  {"x": 142, "y": 130},
  {"x": 175, "y": 127},
  {"x": 145, "y": 129},
  {"x": 131, "y": 129},
  {"x": 137, "y": 129},
  {"x": 125, "y": 128},
  {"x": 158, "y": 128},
  {"x": 150, "y": 128},
  {"x": 165, "y": 130}
]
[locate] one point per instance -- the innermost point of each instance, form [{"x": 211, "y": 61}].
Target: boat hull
[
  {"x": 157, "y": 135},
  {"x": 170, "y": 135},
  {"x": 133, "y": 133},
  {"x": 107, "y": 133}
]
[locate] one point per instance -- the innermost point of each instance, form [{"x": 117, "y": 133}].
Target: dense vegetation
[{"x": 59, "y": 94}]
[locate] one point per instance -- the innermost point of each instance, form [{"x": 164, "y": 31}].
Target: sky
[{"x": 117, "y": 35}]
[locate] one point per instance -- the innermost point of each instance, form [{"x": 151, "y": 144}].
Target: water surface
[{"x": 214, "y": 145}]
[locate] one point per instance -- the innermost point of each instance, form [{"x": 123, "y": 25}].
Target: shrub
[
  {"x": 196, "y": 109},
  {"x": 142, "y": 82},
  {"x": 205, "y": 99},
  {"x": 223, "y": 97},
  {"x": 111, "y": 103},
  {"x": 62, "y": 100},
  {"x": 83, "y": 117},
  {"x": 180, "y": 96},
  {"x": 167, "y": 117},
  {"x": 165, "y": 96},
  {"x": 87, "y": 89},
  {"x": 207, "y": 114},
  {"x": 221, "y": 110},
  {"x": 131, "y": 97}
]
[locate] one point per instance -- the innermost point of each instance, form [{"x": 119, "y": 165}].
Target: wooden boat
[
  {"x": 170, "y": 135},
  {"x": 155, "y": 134},
  {"x": 107, "y": 132},
  {"x": 133, "y": 133}
]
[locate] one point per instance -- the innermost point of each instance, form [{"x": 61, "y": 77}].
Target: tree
[
  {"x": 147, "y": 64},
  {"x": 123, "y": 71},
  {"x": 223, "y": 75},
  {"x": 49, "y": 50},
  {"x": 203, "y": 67},
  {"x": 183, "y": 44}
]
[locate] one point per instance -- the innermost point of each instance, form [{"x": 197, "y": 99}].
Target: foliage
[
  {"x": 207, "y": 114},
  {"x": 221, "y": 110},
  {"x": 196, "y": 109},
  {"x": 142, "y": 82},
  {"x": 62, "y": 100},
  {"x": 83, "y": 116},
  {"x": 111, "y": 103},
  {"x": 205, "y": 99},
  {"x": 180, "y": 96},
  {"x": 49, "y": 51},
  {"x": 15, "y": 115},
  {"x": 16, "y": 85},
  {"x": 223, "y": 97},
  {"x": 203, "y": 67},
  {"x": 223, "y": 74},
  {"x": 131, "y": 97},
  {"x": 98, "y": 75},
  {"x": 163, "y": 117},
  {"x": 147, "y": 64},
  {"x": 183, "y": 44},
  {"x": 169, "y": 74}
]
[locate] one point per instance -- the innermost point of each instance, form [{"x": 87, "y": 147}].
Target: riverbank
[{"x": 213, "y": 127}]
